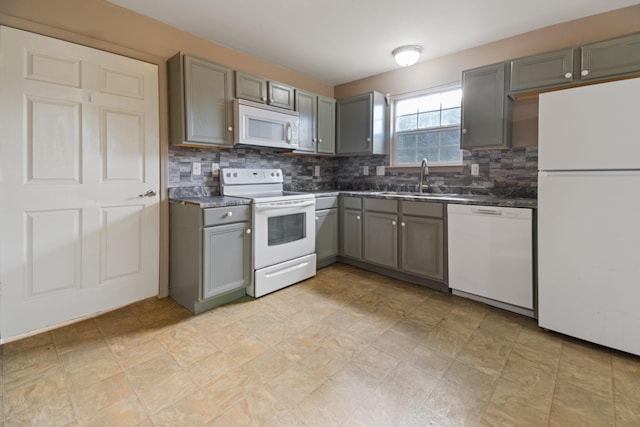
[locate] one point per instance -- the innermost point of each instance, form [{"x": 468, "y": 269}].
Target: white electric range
[{"x": 283, "y": 244}]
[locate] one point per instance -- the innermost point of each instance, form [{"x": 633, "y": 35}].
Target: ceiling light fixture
[{"x": 407, "y": 55}]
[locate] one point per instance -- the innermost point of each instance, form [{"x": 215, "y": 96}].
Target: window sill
[{"x": 435, "y": 168}]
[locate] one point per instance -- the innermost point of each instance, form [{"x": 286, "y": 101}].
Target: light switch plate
[
  {"x": 379, "y": 170},
  {"x": 196, "y": 168},
  {"x": 365, "y": 170},
  {"x": 215, "y": 169},
  {"x": 475, "y": 169},
  {"x": 316, "y": 171}
]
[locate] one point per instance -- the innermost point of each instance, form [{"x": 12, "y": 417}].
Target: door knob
[{"x": 149, "y": 193}]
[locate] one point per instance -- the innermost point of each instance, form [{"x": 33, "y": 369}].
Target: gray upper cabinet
[
  {"x": 257, "y": 89},
  {"x": 591, "y": 62},
  {"x": 610, "y": 58},
  {"x": 200, "y": 102},
  {"x": 361, "y": 124},
  {"x": 317, "y": 123},
  {"x": 541, "y": 71},
  {"x": 486, "y": 110}
]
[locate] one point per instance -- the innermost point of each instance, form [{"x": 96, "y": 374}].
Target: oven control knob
[
  {"x": 229, "y": 213},
  {"x": 228, "y": 174},
  {"x": 235, "y": 174},
  {"x": 248, "y": 231}
]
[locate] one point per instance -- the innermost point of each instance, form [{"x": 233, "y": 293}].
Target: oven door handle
[{"x": 277, "y": 205}]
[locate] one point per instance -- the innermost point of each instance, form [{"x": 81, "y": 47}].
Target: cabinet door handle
[
  {"x": 248, "y": 231},
  {"x": 230, "y": 129},
  {"x": 229, "y": 214},
  {"x": 358, "y": 217},
  {"x": 585, "y": 72},
  {"x": 402, "y": 224},
  {"x": 568, "y": 75},
  {"x": 368, "y": 139},
  {"x": 319, "y": 139},
  {"x": 393, "y": 223},
  {"x": 314, "y": 140},
  {"x": 464, "y": 131},
  {"x": 317, "y": 218}
]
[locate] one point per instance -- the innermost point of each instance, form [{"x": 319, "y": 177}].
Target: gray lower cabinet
[
  {"x": 326, "y": 231},
  {"x": 209, "y": 255},
  {"x": 486, "y": 108},
  {"x": 361, "y": 124},
  {"x": 200, "y": 102},
  {"x": 422, "y": 237},
  {"x": 381, "y": 232},
  {"x": 317, "y": 125},
  {"x": 351, "y": 227},
  {"x": 258, "y": 89}
]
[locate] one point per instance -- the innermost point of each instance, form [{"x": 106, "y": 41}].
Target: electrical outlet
[
  {"x": 215, "y": 169},
  {"x": 365, "y": 170},
  {"x": 475, "y": 169},
  {"x": 316, "y": 171},
  {"x": 379, "y": 170},
  {"x": 196, "y": 168}
]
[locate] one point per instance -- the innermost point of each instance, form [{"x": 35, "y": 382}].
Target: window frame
[{"x": 393, "y": 134}]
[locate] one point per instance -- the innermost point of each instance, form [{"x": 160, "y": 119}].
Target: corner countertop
[
  {"x": 466, "y": 199},
  {"x": 205, "y": 202}
]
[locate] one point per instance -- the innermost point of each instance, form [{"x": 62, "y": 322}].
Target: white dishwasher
[{"x": 491, "y": 255}]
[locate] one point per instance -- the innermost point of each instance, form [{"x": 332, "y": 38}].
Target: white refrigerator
[{"x": 589, "y": 213}]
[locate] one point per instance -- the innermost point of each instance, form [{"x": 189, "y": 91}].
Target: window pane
[
  {"x": 451, "y": 117},
  {"x": 407, "y": 122},
  {"x": 406, "y": 142},
  {"x": 428, "y": 126},
  {"x": 429, "y": 120},
  {"x": 450, "y": 137},
  {"x": 451, "y": 98},
  {"x": 450, "y": 154},
  {"x": 406, "y": 156},
  {"x": 429, "y": 103},
  {"x": 407, "y": 106}
]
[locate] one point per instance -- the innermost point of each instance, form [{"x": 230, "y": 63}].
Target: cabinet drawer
[
  {"x": 435, "y": 210},
  {"x": 326, "y": 202},
  {"x": 381, "y": 205},
  {"x": 226, "y": 215},
  {"x": 352, "y": 202}
]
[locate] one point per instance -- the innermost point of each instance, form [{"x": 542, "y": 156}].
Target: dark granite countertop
[
  {"x": 211, "y": 201},
  {"x": 466, "y": 199}
]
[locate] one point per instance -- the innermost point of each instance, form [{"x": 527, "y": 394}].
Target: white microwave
[{"x": 265, "y": 126}]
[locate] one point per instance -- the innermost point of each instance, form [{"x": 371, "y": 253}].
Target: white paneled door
[{"x": 79, "y": 174}]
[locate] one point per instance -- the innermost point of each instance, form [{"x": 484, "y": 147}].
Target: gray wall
[{"x": 502, "y": 172}]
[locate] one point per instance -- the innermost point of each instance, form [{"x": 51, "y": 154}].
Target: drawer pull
[{"x": 229, "y": 214}]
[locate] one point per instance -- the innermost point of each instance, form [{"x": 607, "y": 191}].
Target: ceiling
[{"x": 338, "y": 41}]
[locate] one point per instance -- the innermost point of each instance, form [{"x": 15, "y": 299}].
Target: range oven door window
[{"x": 286, "y": 229}]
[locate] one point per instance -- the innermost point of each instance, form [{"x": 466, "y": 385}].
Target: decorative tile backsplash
[{"x": 511, "y": 173}]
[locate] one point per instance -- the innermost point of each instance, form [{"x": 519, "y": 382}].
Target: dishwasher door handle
[{"x": 480, "y": 211}]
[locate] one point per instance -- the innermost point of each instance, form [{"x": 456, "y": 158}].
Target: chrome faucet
[{"x": 424, "y": 171}]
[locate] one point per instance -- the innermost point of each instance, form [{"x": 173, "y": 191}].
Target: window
[{"x": 427, "y": 125}]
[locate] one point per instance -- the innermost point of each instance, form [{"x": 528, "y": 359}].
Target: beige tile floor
[{"x": 346, "y": 348}]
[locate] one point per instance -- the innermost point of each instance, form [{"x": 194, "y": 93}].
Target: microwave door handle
[
  {"x": 265, "y": 206},
  {"x": 289, "y": 132}
]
